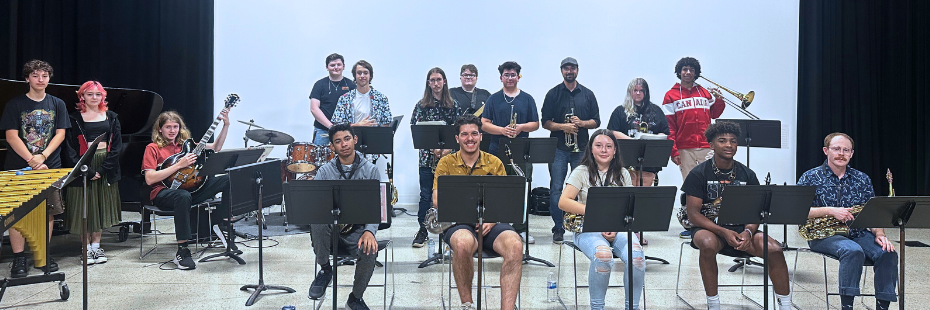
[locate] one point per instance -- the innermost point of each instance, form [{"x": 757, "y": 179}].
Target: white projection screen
[{"x": 271, "y": 53}]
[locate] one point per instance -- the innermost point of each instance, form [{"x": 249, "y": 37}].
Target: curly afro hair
[
  {"x": 720, "y": 128},
  {"x": 688, "y": 61}
]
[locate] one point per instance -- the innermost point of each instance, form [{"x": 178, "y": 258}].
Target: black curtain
[
  {"x": 863, "y": 70},
  {"x": 163, "y": 46}
]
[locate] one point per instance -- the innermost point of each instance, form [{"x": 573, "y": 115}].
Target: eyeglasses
[
  {"x": 837, "y": 149},
  {"x": 509, "y": 76},
  {"x": 473, "y": 134},
  {"x": 469, "y": 76},
  {"x": 436, "y": 81}
]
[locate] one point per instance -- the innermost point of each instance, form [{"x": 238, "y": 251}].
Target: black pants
[{"x": 180, "y": 201}]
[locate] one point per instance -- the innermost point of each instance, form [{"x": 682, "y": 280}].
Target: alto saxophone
[{"x": 826, "y": 226}]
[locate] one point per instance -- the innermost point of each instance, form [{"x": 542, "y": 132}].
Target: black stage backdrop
[
  {"x": 863, "y": 70},
  {"x": 163, "y": 46}
]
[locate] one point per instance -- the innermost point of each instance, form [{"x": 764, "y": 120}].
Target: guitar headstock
[
  {"x": 231, "y": 101},
  {"x": 888, "y": 176}
]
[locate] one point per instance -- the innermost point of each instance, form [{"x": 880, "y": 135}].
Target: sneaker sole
[{"x": 419, "y": 245}]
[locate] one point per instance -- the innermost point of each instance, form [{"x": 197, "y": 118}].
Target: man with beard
[
  {"x": 469, "y": 97},
  {"x": 498, "y": 237},
  {"x": 360, "y": 241},
  {"x": 839, "y": 188},
  {"x": 511, "y": 113},
  {"x": 567, "y": 98}
]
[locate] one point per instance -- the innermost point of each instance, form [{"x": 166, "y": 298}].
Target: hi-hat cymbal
[
  {"x": 251, "y": 123},
  {"x": 268, "y": 136}
]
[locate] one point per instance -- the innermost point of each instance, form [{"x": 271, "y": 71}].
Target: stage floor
[{"x": 125, "y": 282}]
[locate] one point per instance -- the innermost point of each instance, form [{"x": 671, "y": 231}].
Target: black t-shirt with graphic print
[
  {"x": 36, "y": 123},
  {"x": 704, "y": 183}
]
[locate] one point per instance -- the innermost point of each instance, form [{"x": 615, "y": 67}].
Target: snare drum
[
  {"x": 322, "y": 155},
  {"x": 300, "y": 157}
]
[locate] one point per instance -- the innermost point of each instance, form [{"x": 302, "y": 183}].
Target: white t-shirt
[{"x": 361, "y": 106}]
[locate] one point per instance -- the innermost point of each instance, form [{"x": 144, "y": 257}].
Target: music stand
[
  {"x": 375, "y": 140},
  {"x": 532, "y": 151},
  {"x": 82, "y": 166},
  {"x": 480, "y": 199},
  {"x": 429, "y": 137},
  {"x": 900, "y": 212},
  {"x": 332, "y": 202},
  {"x": 757, "y": 133},
  {"x": 765, "y": 204},
  {"x": 615, "y": 209},
  {"x": 645, "y": 153},
  {"x": 258, "y": 185}
]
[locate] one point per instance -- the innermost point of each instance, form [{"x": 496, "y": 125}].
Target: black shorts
[
  {"x": 488, "y": 239},
  {"x": 727, "y": 249}
]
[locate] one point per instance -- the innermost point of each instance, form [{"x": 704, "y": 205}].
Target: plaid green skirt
[{"x": 103, "y": 202}]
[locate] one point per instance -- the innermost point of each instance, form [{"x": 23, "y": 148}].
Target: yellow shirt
[{"x": 453, "y": 164}]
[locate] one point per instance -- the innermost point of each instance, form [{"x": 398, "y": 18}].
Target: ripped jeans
[{"x": 589, "y": 243}]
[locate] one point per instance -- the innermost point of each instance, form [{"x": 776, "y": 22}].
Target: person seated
[
  {"x": 601, "y": 165},
  {"x": 499, "y": 238},
  {"x": 860, "y": 244},
  {"x": 359, "y": 240},
  {"x": 704, "y": 185},
  {"x": 168, "y": 136}
]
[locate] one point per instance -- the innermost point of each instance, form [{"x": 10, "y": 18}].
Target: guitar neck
[{"x": 206, "y": 137}]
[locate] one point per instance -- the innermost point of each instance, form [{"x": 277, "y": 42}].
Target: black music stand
[
  {"x": 375, "y": 140},
  {"x": 646, "y": 153},
  {"x": 218, "y": 163},
  {"x": 429, "y": 137},
  {"x": 629, "y": 209},
  {"x": 900, "y": 212},
  {"x": 757, "y": 133},
  {"x": 331, "y": 202},
  {"x": 257, "y": 185},
  {"x": 765, "y": 204},
  {"x": 532, "y": 151},
  {"x": 480, "y": 199},
  {"x": 82, "y": 166}
]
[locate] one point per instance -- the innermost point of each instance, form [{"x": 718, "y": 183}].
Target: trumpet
[
  {"x": 571, "y": 139},
  {"x": 513, "y": 118},
  {"x": 745, "y": 99}
]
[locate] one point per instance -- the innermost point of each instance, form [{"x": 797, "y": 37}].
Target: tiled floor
[{"x": 125, "y": 282}]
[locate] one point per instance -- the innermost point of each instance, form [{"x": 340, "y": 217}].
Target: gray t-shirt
[{"x": 579, "y": 179}]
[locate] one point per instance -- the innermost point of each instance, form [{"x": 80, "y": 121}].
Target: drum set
[{"x": 303, "y": 158}]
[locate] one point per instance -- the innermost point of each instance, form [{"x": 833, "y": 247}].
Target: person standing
[
  {"x": 364, "y": 106},
  {"x": 511, "y": 113},
  {"x": 567, "y": 98},
  {"x": 35, "y": 124},
  {"x": 323, "y": 97},
  {"x": 469, "y": 97},
  {"x": 91, "y": 120}
]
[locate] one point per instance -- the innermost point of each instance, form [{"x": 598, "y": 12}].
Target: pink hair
[{"x": 87, "y": 86}]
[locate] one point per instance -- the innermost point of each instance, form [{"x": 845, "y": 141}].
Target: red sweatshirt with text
[{"x": 689, "y": 112}]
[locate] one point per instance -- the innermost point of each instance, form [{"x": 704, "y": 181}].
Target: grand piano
[{"x": 137, "y": 111}]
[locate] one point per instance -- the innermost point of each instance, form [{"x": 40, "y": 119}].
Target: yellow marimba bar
[{"x": 22, "y": 205}]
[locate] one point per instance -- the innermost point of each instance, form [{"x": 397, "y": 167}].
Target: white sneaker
[
  {"x": 467, "y": 306},
  {"x": 101, "y": 257},
  {"x": 527, "y": 238},
  {"x": 91, "y": 257}
]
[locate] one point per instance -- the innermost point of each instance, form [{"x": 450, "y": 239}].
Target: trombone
[{"x": 745, "y": 100}]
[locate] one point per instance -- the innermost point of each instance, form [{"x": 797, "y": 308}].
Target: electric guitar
[{"x": 189, "y": 178}]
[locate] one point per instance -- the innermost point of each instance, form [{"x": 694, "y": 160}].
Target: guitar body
[{"x": 187, "y": 178}]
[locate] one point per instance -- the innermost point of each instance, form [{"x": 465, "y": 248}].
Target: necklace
[
  {"x": 510, "y": 102},
  {"x": 334, "y": 85},
  {"x": 731, "y": 175}
]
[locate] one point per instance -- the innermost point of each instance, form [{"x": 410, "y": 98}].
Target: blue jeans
[
  {"x": 320, "y": 136},
  {"x": 426, "y": 194},
  {"x": 852, "y": 253},
  {"x": 558, "y": 169},
  {"x": 597, "y": 281}
]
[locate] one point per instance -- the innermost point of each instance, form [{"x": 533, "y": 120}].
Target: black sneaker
[
  {"x": 557, "y": 238},
  {"x": 355, "y": 303},
  {"x": 19, "y": 269},
  {"x": 183, "y": 259},
  {"x": 420, "y": 240},
  {"x": 51, "y": 266},
  {"x": 318, "y": 287}
]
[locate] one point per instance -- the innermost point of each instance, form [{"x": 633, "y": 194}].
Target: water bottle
[
  {"x": 551, "y": 294},
  {"x": 431, "y": 245}
]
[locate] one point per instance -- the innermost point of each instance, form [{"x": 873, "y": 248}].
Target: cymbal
[
  {"x": 268, "y": 136},
  {"x": 251, "y": 123}
]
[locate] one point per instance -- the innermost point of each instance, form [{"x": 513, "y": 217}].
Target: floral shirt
[
  {"x": 855, "y": 188},
  {"x": 380, "y": 109},
  {"x": 434, "y": 113}
]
